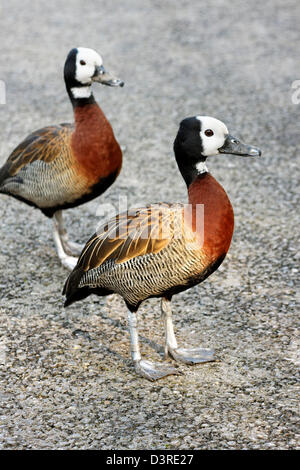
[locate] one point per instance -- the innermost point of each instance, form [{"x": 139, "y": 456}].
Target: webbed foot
[
  {"x": 193, "y": 355},
  {"x": 153, "y": 370}
]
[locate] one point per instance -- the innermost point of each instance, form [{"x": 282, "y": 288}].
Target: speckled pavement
[{"x": 66, "y": 379}]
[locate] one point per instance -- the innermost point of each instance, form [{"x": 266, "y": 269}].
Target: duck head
[
  {"x": 83, "y": 67},
  {"x": 200, "y": 137}
]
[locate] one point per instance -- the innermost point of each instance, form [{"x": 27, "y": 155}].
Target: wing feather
[
  {"x": 129, "y": 235},
  {"x": 44, "y": 144}
]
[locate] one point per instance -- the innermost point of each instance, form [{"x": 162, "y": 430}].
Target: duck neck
[
  {"x": 188, "y": 162},
  {"x": 192, "y": 173},
  {"x": 198, "y": 188},
  {"x": 93, "y": 142},
  {"x": 91, "y": 128},
  {"x": 80, "y": 95},
  {"x": 88, "y": 114},
  {"x": 217, "y": 212}
]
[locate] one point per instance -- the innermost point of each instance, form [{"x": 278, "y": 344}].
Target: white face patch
[
  {"x": 86, "y": 61},
  {"x": 212, "y": 141},
  {"x": 81, "y": 92}
]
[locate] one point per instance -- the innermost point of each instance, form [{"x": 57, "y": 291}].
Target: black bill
[
  {"x": 104, "y": 77},
  {"x": 235, "y": 147}
]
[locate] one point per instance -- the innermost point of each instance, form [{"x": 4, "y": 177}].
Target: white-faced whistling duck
[
  {"x": 65, "y": 165},
  {"x": 163, "y": 249}
]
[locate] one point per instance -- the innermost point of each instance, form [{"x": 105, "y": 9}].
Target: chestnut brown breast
[
  {"x": 218, "y": 214},
  {"x": 94, "y": 145}
]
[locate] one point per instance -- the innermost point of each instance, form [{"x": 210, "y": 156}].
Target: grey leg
[
  {"x": 68, "y": 261},
  {"x": 71, "y": 248},
  {"x": 188, "y": 356},
  {"x": 150, "y": 370}
]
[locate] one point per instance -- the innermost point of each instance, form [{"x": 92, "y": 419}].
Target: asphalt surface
[{"x": 67, "y": 381}]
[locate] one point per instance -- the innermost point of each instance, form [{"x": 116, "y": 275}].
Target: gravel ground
[{"x": 66, "y": 377}]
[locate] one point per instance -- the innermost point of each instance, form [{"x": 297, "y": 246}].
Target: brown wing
[
  {"x": 44, "y": 144},
  {"x": 131, "y": 234}
]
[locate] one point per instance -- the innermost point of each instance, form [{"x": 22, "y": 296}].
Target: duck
[
  {"x": 63, "y": 166},
  {"x": 165, "y": 248}
]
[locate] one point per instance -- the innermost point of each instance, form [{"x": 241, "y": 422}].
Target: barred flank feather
[
  {"x": 138, "y": 267},
  {"x": 41, "y": 169},
  {"x": 63, "y": 166}
]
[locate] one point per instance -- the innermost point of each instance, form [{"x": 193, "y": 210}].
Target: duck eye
[
  {"x": 209, "y": 132},
  {"x": 82, "y": 62}
]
